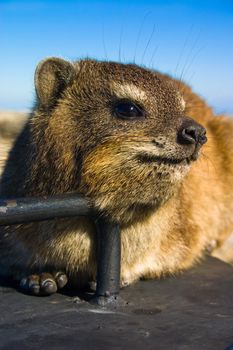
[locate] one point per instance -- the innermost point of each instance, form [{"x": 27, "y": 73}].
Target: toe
[
  {"x": 61, "y": 279},
  {"x": 24, "y": 283},
  {"x": 30, "y": 284},
  {"x": 34, "y": 289},
  {"x": 48, "y": 284}
]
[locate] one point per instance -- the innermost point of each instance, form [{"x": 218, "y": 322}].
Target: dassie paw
[{"x": 44, "y": 283}]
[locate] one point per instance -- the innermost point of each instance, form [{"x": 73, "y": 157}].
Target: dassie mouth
[
  {"x": 145, "y": 158},
  {"x": 150, "y": 158}
]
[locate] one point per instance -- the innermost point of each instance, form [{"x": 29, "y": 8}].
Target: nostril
[
  {"x": 189, "y": 134},
  {"x": 203, "y": 138}
]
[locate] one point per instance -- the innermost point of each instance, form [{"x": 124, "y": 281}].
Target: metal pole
[
  {"x": 108, "y": 263},
  {"x": 22, "y": 210}
]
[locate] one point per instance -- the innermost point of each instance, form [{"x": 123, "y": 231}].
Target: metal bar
[
  {"x": 108, "y": 264},
  {"x": 22, "y": 210}
]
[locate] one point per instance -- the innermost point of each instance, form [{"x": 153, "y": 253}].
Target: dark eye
[{"x": 128, "y": 110}]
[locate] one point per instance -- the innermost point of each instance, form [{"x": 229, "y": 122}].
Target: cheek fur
[{"x": 114, "y": 178}]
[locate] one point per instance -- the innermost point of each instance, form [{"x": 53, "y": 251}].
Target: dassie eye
[{"x": 128, "y": 110}]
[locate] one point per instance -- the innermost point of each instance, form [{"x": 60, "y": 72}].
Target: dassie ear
[{"x": 51, "y": 78}]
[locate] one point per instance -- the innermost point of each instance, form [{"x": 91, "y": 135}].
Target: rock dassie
[{"x": 134, "y": 141}]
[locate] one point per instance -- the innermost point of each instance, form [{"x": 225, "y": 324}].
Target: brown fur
[{"x": 169, "y": 214}]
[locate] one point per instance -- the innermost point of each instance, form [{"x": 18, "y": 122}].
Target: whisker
[
  {"x": 189, "y": 55},
  {"x": 151, "y": 65},
  {"x": 193, "y": 59},
  {"x": 209, "y": 160},
  {"x": 183, "y": 49},
  {"x": 189, "y": 80},
  {"x": 139, "y": 34},
  {"x": 148, "y": 43}
]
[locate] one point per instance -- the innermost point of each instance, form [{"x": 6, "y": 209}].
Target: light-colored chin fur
[{"x": 125, "y": 188}]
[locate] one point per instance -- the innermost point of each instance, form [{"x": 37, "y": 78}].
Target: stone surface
[{"x": 193, "y": 311}]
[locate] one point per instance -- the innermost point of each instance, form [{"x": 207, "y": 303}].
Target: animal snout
[{"x": 192, "y": 133}]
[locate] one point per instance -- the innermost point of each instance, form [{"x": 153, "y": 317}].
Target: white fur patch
[
  {"x": 128, "y": 91},
  {"x": 182, "y": 102}
]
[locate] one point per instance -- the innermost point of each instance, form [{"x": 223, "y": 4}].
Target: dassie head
[{"x": 117, "y": 133}]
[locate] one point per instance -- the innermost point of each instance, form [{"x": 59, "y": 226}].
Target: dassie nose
[{"x": 192, "y": 132}]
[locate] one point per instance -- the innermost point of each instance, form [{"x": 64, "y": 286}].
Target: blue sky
[{"x": 188, "y": 39}]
